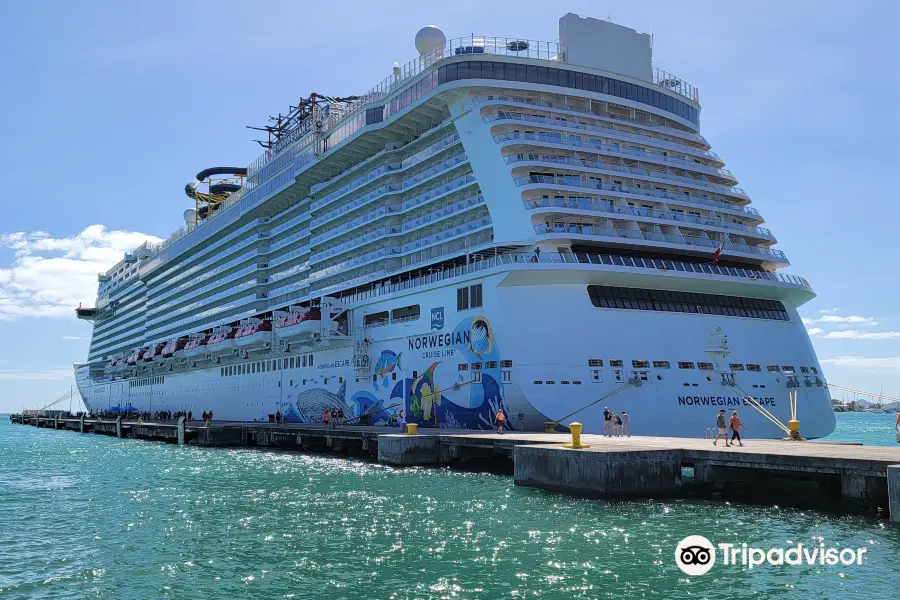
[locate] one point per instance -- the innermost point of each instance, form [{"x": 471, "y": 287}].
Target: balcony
[
  {"x": 624, "y": 211},
  {"x": 578, "y": 142},
  {"x": 610, "y": 118},
  {"x": 591, "y": 183},
  {"x": 768, "y": 254},
  {"x": 610, "y": 132}
]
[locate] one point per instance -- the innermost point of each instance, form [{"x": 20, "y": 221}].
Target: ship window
[
  {"x": 754, "y": 368},
  {"x": 374, "y": 377},
  {"x": 596, "y": 377},
  {"x": 462, "y": 298},
  {"x": 326, "y": 381},
  {"x": 685, "y": 365},
  {"x": 564, "y": 382},
  {"x": 394, "y": 376},
  {"x": 705, "y": 366},
  {"x": 311, "y": 359},
  {"x": 376, "y": 319},
  {"x": 415, "y": 374},
  {"x": 491, "y": 364},
  {"x": 506, "y": 364},
  {"x": 661, "y": 364},
  {"x": 507, "y": 376},
  {"x": 538, "y": 382},
  {"x": 304, "y": 360},
  {"x": 340, "y": 380},
  {"x": 640, "y": 364},
  {"x": 463, "y": 367},
  {"x": 814, "y": 370},
  {"x": 595, "y": 362},
  {"x": 550, "y": 382},
  {"x": 773, "y": 368},
  {"x": 804, "y": 370},
  {"x": 407, "y": 313},
  {"x": 787, "y": 369},
  {"x": 686, "y": 302},
  {"x": 615, "y": 363},
  {"x": 476, "y": 366},
  {"x": 736, "y": 367}
]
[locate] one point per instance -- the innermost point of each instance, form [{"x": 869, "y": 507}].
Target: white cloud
[
  {"x": 72, "y": 337},
  {"x": 825, "y": 311},
  {"x": 855, "y": 334},
  {"x": 50, "y": 276},
  {"x": 815, "y": 331},
  {"x": 889, "y": 364},
  {"x": 838, "y": 320},
  {"x": 44, "y": 374}
]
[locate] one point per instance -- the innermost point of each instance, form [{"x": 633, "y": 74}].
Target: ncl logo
[{"x": 437, "y": 318}]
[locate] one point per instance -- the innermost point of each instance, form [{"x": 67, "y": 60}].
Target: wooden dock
[{"x": 636, "y": 466}]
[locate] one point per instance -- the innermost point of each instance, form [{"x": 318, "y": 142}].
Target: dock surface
[{"x": 612, "y": 466}]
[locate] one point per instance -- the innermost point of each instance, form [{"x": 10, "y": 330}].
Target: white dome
[
  {"x": 429, "y": 38},
  {"x": 190, "y": 216}
]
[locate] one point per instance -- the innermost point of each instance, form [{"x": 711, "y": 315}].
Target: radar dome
[
  {"x": 429, "y": 38},
  {"x": 190, "y": 216}
]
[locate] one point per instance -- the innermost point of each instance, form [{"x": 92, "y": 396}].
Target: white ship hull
[{"x": 549, "y": 334}]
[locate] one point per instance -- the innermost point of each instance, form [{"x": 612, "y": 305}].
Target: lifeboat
[
  {"x": 196, "y": 347},
  {"x": 300, "y": 325},
  {"x": 173, "y": 347},
  {"x": 154, "y": 353},
  {"x": 135, "y": 356},
  {"x": 221, "y": 341},
  {"x": 256, "y": 335},
  {"x": 115, "y": 366}
]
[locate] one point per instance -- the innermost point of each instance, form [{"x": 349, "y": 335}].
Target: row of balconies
[
  {"x": 393, "y": 228},
  {"x": 393, "y": 169},
  {"x": 587, "y": 230},
  {"x": 606, "y": 206},
  {"x": 579, "y": 143},
  {"x": 392, "y": 188},
  {"x": 410, "y": 161},
  {"x": 608, "y": 132},
  {"x": 592, "y": 183},
  {"x": 563, "y": 106}
]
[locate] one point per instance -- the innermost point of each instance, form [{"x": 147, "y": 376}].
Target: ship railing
[
  {"x": 609, "y": 207},
  {"x": 606, "y": 131},
  {"x": 637, "y": 234},
  {"x": 482, "y": 260}
]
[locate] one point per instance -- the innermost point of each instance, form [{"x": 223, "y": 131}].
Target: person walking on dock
[
  {"x": 617, "y": 424},
  {"x": 607, "y": 422},
  {"x": 626, "y": 424},
  {"x": 326, "y": 417},
  {"x": 500, "y": 419},
  {"x": 721, "y": 432},
  {"x": 736, "y": 425}
]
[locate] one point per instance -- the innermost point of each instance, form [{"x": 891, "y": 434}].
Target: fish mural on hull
[
  {"x": 310, "y": 404},
  {"x": 387, "y": 362}
]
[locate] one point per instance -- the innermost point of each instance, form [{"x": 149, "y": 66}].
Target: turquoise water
[
  {"x": 872, "y": 429},
  {"x": 95, "y": 517}
]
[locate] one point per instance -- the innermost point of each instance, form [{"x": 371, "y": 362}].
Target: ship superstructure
[{"x": 501, "y": 224}]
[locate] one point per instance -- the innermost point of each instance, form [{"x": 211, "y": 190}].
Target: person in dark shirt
[
  {"x": 721, "y": 432},
  {"x": 607, "y": 422}
]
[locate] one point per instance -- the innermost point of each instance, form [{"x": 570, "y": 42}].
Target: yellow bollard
[
  {"x": 576, "y": 444},
  {"x": 794, "y": 427},
  {"x": 412, "y": 429}
]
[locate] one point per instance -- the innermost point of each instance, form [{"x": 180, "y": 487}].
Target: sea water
[{"x": 88, "y": 516}]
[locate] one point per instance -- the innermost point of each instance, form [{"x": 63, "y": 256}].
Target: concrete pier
[{"x": 866, "y": 476}]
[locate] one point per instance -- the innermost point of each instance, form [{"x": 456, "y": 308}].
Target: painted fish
[
  {"x": 426, "y": 395},
  {"x": 387, "y": 362},
  {"x": 312, "y": 403}
]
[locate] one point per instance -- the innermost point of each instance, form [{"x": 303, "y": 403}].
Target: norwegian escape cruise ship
[{"x": 500, "y": 224}]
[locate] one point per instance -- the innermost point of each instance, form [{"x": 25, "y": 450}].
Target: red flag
[{"x": 718, "y": 251}]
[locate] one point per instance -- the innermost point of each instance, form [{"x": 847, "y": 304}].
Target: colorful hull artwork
[{"x": 438, "y": 396}]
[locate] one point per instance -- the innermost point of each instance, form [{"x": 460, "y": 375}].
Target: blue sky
[{"x": 107, "y": 109}]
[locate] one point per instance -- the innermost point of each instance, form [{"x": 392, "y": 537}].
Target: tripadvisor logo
[{"x": 696, "y": 555}]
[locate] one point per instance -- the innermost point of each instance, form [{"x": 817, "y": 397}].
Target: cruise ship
[{"x": 501, "y": 224}]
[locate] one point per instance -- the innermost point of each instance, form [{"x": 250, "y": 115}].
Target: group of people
[
  {"x": 333, "y": 417},
  {"x": 734, "y": 423},
  {"x": 615, "y": 424},
  {"x": 396, "y": 418}
]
